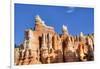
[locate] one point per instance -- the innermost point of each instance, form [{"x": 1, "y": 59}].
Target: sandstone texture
[{"x": 42, "y": 45}]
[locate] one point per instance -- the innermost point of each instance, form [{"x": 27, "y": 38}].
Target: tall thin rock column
[
  {"x": 44, "y": 49},
  {"x": 82, "y": 48},
  {"x": 49, "y": 37},
  {"x": 26, "y": 57},
  {"x": 33, "y": 50},
  {"x": 59, "y": 56},
  {"x": 89, "y": 44},
  {"x": 20, "y": 59},
  {"x": 69, "y": 52},
  {"x": 55, "y": 42},
  {"x": 51, "y": 56}
]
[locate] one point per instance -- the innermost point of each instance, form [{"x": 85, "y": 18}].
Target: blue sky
[{"x": 77, "y": 19}]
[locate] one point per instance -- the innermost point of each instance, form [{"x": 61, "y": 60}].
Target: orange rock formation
[{"x": 42, "y": 45}]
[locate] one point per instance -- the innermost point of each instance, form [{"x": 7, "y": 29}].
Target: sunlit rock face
[{"x": 42, "y": 45}]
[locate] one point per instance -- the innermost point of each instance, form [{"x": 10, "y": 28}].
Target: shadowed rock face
[{"x": 42, "y": 45}]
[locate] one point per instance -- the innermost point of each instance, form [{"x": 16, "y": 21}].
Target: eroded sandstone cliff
[{"x": 42, "y": 45}]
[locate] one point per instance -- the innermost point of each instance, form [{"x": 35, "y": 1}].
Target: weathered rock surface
[{"x": 42, "y": 45}]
